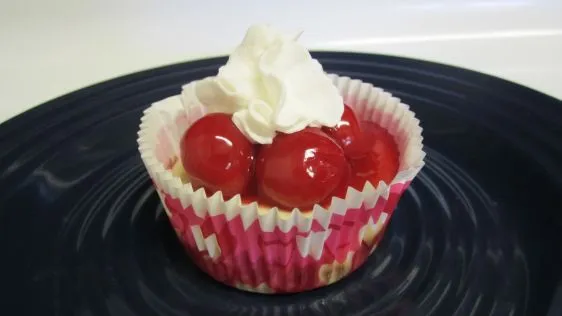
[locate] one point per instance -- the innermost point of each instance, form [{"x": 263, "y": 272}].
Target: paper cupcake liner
[{"x": 272, "y": 250}]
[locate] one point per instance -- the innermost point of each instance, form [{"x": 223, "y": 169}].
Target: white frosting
[{"x": 270, "y": 84}]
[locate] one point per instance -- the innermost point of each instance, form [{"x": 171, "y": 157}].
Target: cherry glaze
[
  {"x": 217, "y": 156},
  {"x": 347, "y": 133},
  {"x": 300, "y": 169},
  {"x": 382, "y": 160}
]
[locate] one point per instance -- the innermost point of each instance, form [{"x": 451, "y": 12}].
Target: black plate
[{"x": 478, "y": 232}]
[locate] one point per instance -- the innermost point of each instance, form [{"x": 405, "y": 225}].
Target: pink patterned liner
[{"x": 272, "y": 250}]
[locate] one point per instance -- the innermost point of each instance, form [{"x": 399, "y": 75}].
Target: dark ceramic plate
[{"x": 478, "y": 233}]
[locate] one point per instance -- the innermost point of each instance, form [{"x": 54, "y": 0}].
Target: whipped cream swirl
[{"x": 270, "y": 84}]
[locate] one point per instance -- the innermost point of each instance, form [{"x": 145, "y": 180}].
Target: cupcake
[{"x": 278, "y": 177}]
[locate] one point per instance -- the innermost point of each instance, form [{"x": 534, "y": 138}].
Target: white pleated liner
[{"x": 165, "y": 121}]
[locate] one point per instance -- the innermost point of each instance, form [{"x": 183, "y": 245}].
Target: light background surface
[{"x": 49, "y": 48}]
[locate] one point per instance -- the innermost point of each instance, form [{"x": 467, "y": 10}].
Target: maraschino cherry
[
  {"x": 348, "y": 134},
  {"x": 217, "y": 156},
  {"x": 300, "y": 169},
  {"x": 381, "y": 161}
]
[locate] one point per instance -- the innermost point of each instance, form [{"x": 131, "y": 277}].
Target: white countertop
[{"x": 49, "y": 48}]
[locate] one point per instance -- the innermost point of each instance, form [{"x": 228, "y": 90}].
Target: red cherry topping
[
  {"x": 347, "y": 133},
  {"x": 341, "y": 190},
  {"x": 217, "y": 156},
  {"x": 381, "y": 162},
  {"x": 300, "y": 169}
]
